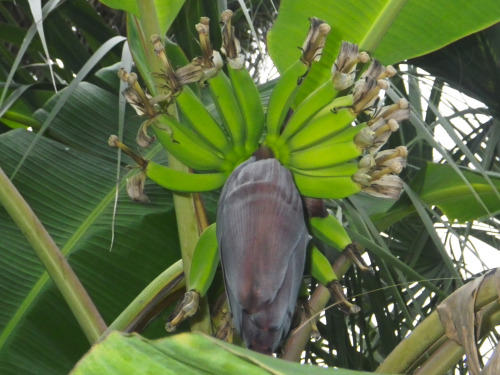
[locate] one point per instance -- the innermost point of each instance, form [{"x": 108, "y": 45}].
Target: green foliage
[
  {"x": 70, "y": 184},
  {"x": 187, "y": 354},
  {"x": 390, "y": 30},
  {"x": 69, "y": 179}
]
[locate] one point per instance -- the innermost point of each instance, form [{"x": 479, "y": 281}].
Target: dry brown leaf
[
  {"x": 493, "y": 365},
  {"x": 457, "y": 317}
]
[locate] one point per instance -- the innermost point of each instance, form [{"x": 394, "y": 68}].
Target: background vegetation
[{"x": 423, "y": 247}]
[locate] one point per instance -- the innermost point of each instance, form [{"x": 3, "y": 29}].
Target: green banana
[
  {"x": 250, "y": 104},
  {"x": 342, "y": 102},
  {"x": 321, "y": 269},
  {"x": 201, "y": 120},
  {"x": 229, "y": 110},
  {"x": 348, "y": 134},
  {"x": 186, "y": 145},
  {"x": 312, "y": 104},
  {"x": 346, "y": 169},
  {"x": 172, "y": 179},
  {"x": 326, "y": 154},
  {"x": 204, "y": 262},
  {"x": 330, "y": 231},
  {"x": 331, "y": 122},
  {"x": 283, "y": 96},
  {"x": 327, "y": 187},
  {"x": 288, "y": 86}
]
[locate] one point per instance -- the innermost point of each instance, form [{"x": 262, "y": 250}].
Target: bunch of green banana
[{"x": 318, "y": 139}]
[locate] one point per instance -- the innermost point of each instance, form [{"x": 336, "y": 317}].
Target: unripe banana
[
  {"x": 342, "y": 102},
  {"x": 201, "y": 120},
  {"x": 229, "y": 110},
  {"x": 321, "y": 269},
  {"x": 330, "y": 231},
  {"x": 172, "y": 179},
  {"x": 250, "y": 104},
  {"x": 204, "y": 262},
  {"x": 186, "y": 145},
  {"x": 347, "y": 134},
  {"x": 312, "y": 104},
  {"x": 326, "y": 154},
  {"x": 346, "y": 169},
  {"x": 325, "y": 187},
  {"x": 283, "y": 96},
  {"x": 331, "y": 122}
]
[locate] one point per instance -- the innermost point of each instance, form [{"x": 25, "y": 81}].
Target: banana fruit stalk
[{"x": 274, "y": 166}]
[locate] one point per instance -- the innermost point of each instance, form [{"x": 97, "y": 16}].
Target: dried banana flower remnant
[
  {"x": 210, "y": 61},
  {"x": 378, "y": 174},
  {"x": 135, "y": 188},
  {"x": 315, "y": 41},
  {"x": 230, "y": 44},
  {"x": 135, "y": 96},
  {"x": 344, "y": 68}
]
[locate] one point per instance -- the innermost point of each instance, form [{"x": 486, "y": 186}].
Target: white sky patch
[
  {"x": 476, "y": 255},
  {"x": 450, "y": 106}
]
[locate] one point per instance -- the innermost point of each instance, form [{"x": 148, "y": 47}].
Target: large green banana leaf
[
  {"x": 440, "y": 185},
  {"x": 187, "y": 353},
  {"x": 391, "y": 30}
]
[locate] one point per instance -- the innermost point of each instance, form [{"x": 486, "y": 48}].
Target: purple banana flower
[{"x": 262, "y": 240}]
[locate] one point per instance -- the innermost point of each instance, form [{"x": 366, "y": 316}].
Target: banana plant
[
  {"x": 160, "y": 118},
  {"x": 275, "y": 187}
]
